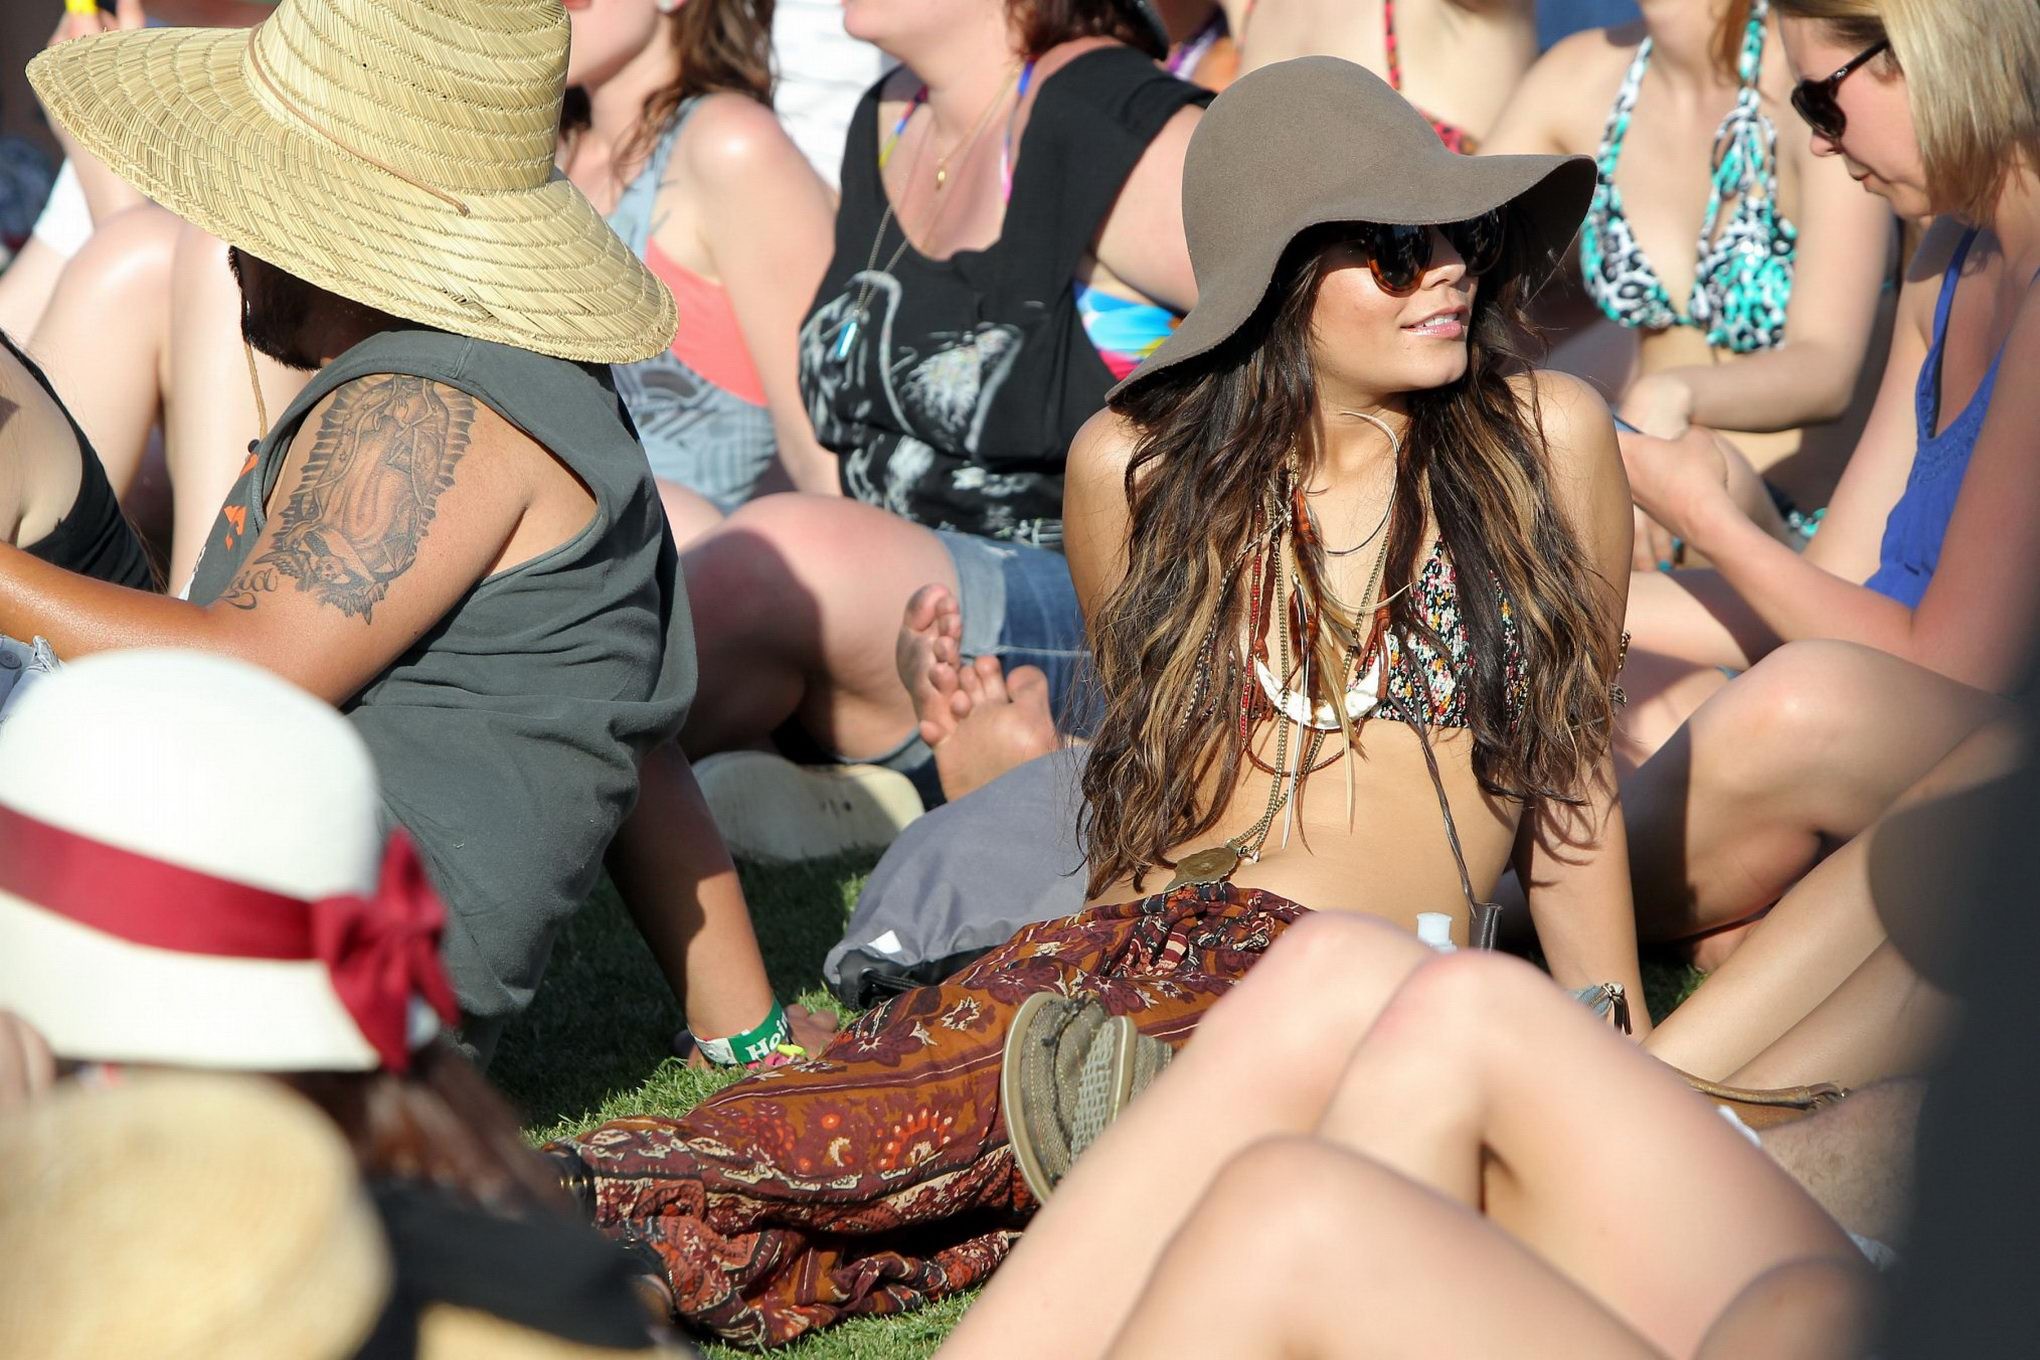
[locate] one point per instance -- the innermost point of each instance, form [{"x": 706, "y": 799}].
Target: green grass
[{"x": 593, "y": 1046}]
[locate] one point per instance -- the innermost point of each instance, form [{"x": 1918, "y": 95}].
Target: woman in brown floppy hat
[
  {"x": 1297, "y": 450},
  {"x": 1339, "y": 493}
]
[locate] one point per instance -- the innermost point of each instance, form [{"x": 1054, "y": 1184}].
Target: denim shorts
[{"x": 1019, "y": 605}]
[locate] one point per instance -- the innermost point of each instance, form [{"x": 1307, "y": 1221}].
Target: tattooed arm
[{"x": 381, "y": 520}]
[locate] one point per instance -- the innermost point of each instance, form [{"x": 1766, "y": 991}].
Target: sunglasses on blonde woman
[
  {"x": 1815, "y": 99},
  {"x": 1398, "y": 255}
]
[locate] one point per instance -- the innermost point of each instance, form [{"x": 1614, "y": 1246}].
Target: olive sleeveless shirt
[{"x": 507, "y": 738}]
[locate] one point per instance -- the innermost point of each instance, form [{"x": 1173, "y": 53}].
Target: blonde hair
[{"x": 1972, "y": 80}]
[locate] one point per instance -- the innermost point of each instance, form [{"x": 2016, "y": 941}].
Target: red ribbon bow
[{"x": 380, "y": 951}]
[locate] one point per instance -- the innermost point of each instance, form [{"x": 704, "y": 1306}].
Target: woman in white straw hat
[
  {"x": 157, "y": 910},
  {"x": 451, "y": 532}
]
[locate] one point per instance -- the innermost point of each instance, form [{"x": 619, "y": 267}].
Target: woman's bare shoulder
[
  {"x": 1102, "y": 450},
  {"x": 1568, "y": 89},
  {"x": 731, "y": 137},
  {"x": 1579, "y": 434}
]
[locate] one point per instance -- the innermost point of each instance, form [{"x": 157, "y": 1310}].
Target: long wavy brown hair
[{"x": 1215, "y": 434}]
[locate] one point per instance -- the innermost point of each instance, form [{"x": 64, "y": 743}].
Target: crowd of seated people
[{"x": 1300, "y": 500}]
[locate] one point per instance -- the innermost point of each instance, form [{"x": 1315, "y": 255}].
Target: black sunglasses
[
  {"x": 1815, "y": 99},
  {"x": 1399, "y": 255}
]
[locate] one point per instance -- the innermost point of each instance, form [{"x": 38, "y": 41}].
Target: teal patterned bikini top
[{"x": 1744, "y": 280}]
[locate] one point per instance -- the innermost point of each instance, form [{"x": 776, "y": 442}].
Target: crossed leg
[
  {"x": 1324, "y": 1252},
  {"x": 797, "y": 602},
  {"x": 1443, "y": 1283},
  {"x": 1483, "y": 1082},
  {"x": 1816, "y": 994}
]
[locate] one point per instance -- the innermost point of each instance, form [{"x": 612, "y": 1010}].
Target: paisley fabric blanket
[{"x": 876, "y": 1177}]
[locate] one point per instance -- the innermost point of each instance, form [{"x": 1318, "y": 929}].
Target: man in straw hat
[{"x": 452, "y": 533}]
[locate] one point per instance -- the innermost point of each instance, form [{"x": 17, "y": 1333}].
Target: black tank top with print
[{"x": 952, "y": 394}]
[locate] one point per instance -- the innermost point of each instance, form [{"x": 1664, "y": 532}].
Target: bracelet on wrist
[{"x": 768, "y": 1038}]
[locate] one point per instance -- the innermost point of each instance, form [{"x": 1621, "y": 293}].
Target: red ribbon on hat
[{"x": 379, "y": 951}]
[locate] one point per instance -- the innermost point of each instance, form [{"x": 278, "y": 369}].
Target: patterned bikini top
[
  {"x": 1448, "y": 674},
  {"x": 1744, "y": 279},
  {"x": 1455, "y": 137}
]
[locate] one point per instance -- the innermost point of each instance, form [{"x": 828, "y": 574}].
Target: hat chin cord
[{"x": 254, "y": 383}]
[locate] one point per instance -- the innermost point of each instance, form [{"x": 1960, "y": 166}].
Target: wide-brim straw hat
[
  {"x": 396, "y": 152},
  {"x": 1319, "y": 140},
  {"x": 184, "y": 1217}
]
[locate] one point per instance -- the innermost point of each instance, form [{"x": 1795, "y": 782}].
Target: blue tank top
[
  {"x": 695, "y": 433},
  {"x": 1917, "y": 524}
]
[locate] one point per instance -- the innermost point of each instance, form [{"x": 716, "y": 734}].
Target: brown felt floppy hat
[
  {"x": 396, "y": 152},
  {"x": 1316, "y": 140}
]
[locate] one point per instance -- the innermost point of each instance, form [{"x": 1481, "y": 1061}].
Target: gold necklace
[
  {"x": 860, "y": 310},
  {"x": 1203, "y": 868},
  {"x": 977, "y": 130}
]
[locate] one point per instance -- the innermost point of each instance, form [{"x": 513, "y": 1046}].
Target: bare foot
[
  {"x": 1006, "y": 724},
  {"x": 812, "y": 1030},
  {"x": 929, "y": 655}
]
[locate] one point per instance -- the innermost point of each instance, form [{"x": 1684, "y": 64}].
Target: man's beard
[{"x": 275, "y": 309}]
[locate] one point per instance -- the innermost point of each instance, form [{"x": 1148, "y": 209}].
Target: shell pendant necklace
[
  {"x": 1363, "y": 695},
  {"x": 1216, "y": 864}
]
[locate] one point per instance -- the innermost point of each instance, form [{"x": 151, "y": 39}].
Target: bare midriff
[{"x": 1392, "y": 860}]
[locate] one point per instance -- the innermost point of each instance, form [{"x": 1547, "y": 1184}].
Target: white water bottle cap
[{"x": 1434, "y": 928}]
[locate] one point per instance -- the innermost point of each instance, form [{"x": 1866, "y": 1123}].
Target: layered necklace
[
  {"x": 1363, "y": 695},
  {"x": 1275, "y": 597},
  {"x": 1019, "y": 77}
]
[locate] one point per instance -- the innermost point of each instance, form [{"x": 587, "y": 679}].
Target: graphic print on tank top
[
  {"x": 951, "y": 389},
  {"x": 944, "y": 394}
]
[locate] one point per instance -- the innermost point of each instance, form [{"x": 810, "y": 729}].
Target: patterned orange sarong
[{"x": 876, "y": 1177}]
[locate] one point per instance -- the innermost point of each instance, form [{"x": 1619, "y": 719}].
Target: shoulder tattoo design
[{"x": 384, "y": 455}]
